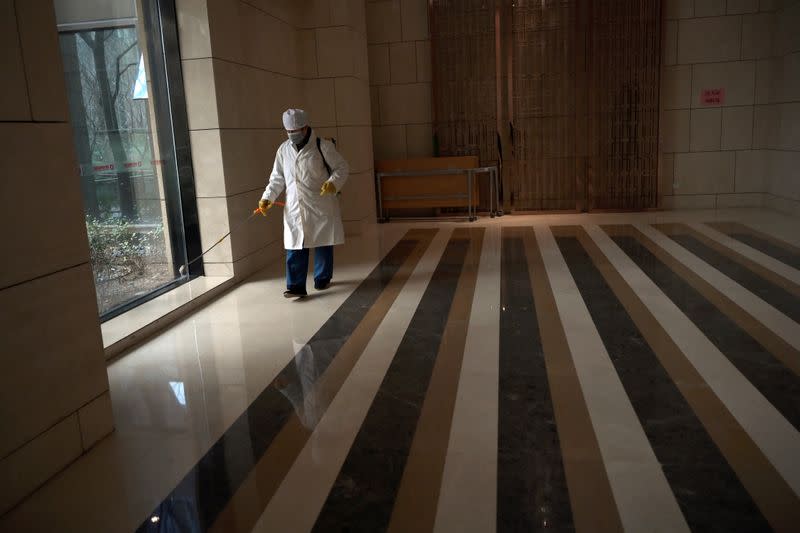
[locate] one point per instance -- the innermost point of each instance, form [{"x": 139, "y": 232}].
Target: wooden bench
[{"x": 426, "y": 183}]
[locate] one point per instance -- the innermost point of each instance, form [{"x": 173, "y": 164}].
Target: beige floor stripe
[
  {"x": 418, "y": 494},
  {"x": 777, "y": 346},
  {"x": 643, "y": 495},
  {"x": 590, "y": 493},
  {"x": 777, "y": 322},
  {"x": 249, "y": 501},
  {"x": 769, "y": 491},
  {"x": 771, "y": 432},
  {"x": 757, "y": 261},
  {"x": 299, "y": 499},
  {"x": 470, "y": 471},
  {"x": 736, "y": 227}
]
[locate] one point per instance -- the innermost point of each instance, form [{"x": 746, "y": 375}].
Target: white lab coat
[{"x": 309, "y": 220}]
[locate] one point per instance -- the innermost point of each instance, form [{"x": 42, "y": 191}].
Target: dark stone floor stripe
[
  {"x": 773, "y": 379},
  {"x": 202, "y": 494},
  {"x": 363, "y": 496},
  {"x": 531, "y": 484},
  {"x": 776, "y": 296},
  {"x": 707, "y": 489},
  {"x": 771, "y": 249}
]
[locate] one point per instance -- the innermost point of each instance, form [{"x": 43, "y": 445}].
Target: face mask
[{"x": 296, "y": 136}]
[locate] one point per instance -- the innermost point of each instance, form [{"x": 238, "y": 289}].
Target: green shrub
[{"x": 119, "y": 248}]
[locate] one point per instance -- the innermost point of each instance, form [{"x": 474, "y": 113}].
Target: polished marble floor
[{"x": 608, "y": 372}]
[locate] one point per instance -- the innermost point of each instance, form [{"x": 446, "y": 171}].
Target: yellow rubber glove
[
  {"x": 327, "y": 188},
  {"x": 263, "y": 205}
]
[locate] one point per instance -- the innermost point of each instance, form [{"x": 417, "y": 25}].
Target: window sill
[{"x": 122, "y": 332}]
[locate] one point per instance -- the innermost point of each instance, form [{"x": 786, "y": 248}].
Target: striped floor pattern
[{"x": 568, "y": 378}]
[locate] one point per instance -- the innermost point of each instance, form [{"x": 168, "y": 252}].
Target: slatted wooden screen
[
  {"x": 570, "y": 85},
  {"x": 464, "y": 72},
  {"x": 543, "y": 93},
  {"x": 623, "y": 65}
]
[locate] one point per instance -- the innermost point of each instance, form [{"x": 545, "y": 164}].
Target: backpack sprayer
[{"x": 183, "y": 268}]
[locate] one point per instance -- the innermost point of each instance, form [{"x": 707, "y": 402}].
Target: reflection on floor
[{"x": 591, "y": 373}]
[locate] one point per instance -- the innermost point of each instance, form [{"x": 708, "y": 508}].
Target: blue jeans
[{"x": 297, "y": 267}]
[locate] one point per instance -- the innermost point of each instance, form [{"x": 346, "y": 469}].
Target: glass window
[{"x": 128, "y": 115}]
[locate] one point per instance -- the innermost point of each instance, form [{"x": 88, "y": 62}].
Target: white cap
[{"x": 294, "y": 119}]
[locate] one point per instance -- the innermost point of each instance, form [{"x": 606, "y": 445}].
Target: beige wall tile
[
  {"x": 229, "y": 27},
  {"x": 789, "y": 133},
  {"x": 766, "y": 127},
  {"x": 201, "y": 97},
  {"x": 379, "y": 69},
  {"x": 406, "y": 104},
  {"x": 727, "y": 201},
  {"x": 321, "y": 102},
  {"x": 389, "y": 142},
  {"x": 255, "y": 261},
  {"x": 37, "y": 165},
  {"x": 50, "y": 382},
  {"x": 36, "y": 23},
  {"x": 669, "y": 53},
  {"x": 375, "y": 104},
  {"x": 214, "y": 223},
  {"x": 209, "y": 177},
  {"x": 248, "y": 158},
  {"x": 352, "y": 102},
  {"x": 243, "y": 94},
  {"x": 362, "y": 57},
  {"x": 752, "y": 171},
  {"x": 96, "y": 420},
  {"x": 786, "y": 78},
  {"x": 704, "y": 173},
  {"x": 675, "y": 131},
  {"x": 709, "y": 8},
  {"x": 694, "y": 45},
  {"x": 335, "y": 52},
  {"x": 316, "y": 13},
  {"x": 737, "y": 7},
  {"x": 39, "y": 460},
  {"x": 765, "y": 69},
  {"x": 737, "y": 78},
  {"x": 403, "y": 62},
  {"x": 676, "y": 87},
  {"x": 695, "y": 201},
  {"x": 768, "y": 5},
  {"x": 14, "y": 105},
  {"x": 383, "y": 22},
  {"x": 414, "y": 20},
  {"x": 307, "y": 51},
  {"x": 737, "y": 128},
  {"x": 706, "y": 130},
  {"x": 782, "y": 205},
  {"x": 757, "y": 35},
  {"x": 785, "y": 174},
  {"x": 679, "y": 9},
  {"x": 358, "y": 199},
  {"x": 193, "y": 30},
  {"x": 667, "y": 174},
  {"x": 419, "y": 139},
  {"x": 355, "y": 144},
  {"x": 787, "y": 38},
  {"x": 424, "y": 69}
]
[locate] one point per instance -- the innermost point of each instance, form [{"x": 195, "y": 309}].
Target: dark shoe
[
  {"x": 322, "y": 285},
  {"x": 295, "y": 294}
]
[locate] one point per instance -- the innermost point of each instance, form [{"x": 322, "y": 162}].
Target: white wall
[
  {"x": 745, "y": 151},
  {"x": 400, "y": 78},
  {"x": 54, "y": 402},
  {"x": 244, "y": 63}
]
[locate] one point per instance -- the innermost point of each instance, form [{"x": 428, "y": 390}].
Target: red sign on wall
[{"x": 712, "y": 96}]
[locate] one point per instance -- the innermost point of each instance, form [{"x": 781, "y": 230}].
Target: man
[{"x": 312, "y": 172}]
